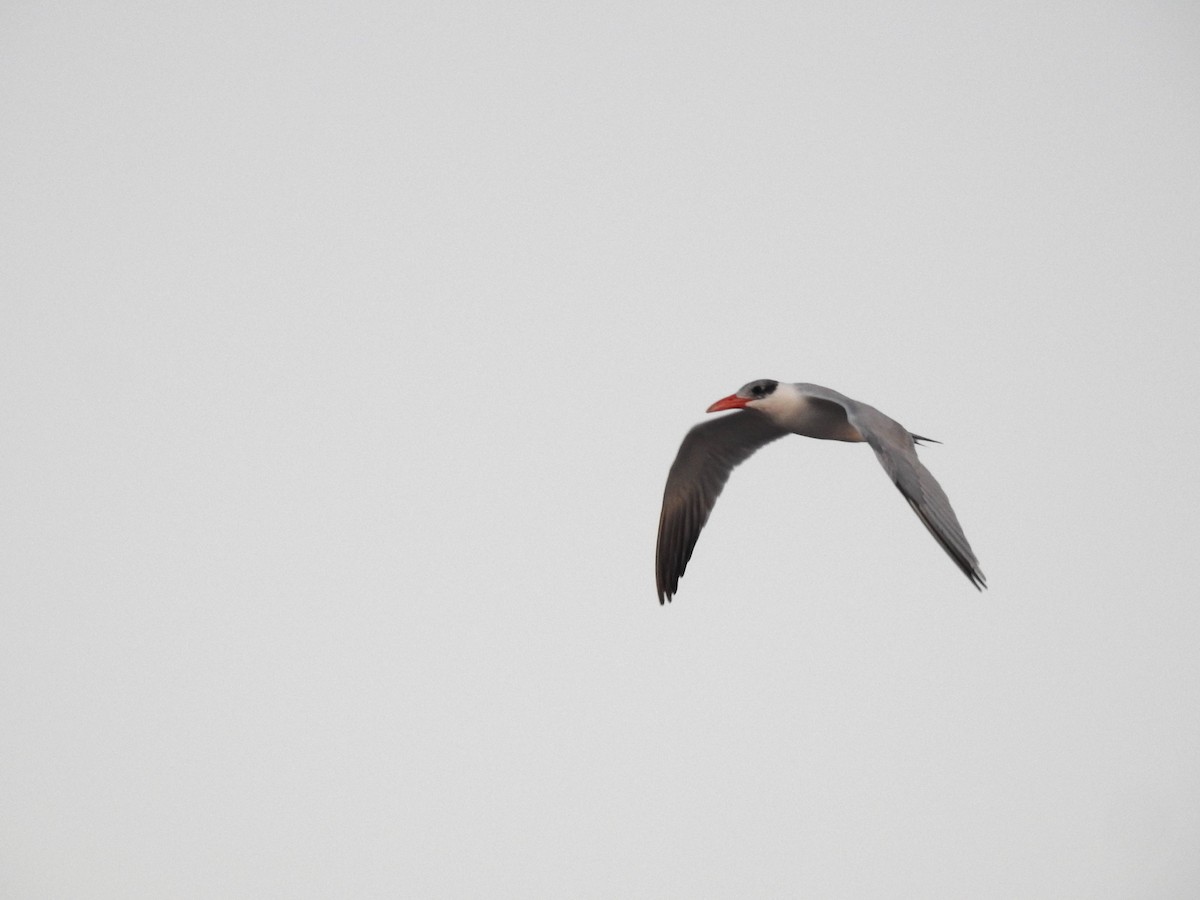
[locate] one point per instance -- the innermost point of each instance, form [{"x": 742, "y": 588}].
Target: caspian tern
[{"x": 768, "y": 410}]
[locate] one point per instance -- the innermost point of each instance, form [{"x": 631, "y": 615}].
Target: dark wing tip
[
  {"x": 664, "y": 590},
  {"x": 964, "y": 559}
]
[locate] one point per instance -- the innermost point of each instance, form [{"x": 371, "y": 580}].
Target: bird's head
[{"x": 754, "y": 395}]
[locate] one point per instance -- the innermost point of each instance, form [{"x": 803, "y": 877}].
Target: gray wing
[
  {"x": 706, "y": 457},
  {"x": 894, "y": 447}
]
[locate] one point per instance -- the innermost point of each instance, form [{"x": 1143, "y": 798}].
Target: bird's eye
[{"x": 758, "y": 390}]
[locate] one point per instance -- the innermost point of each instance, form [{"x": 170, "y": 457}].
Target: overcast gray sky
[{"x": 344, "y": 351}]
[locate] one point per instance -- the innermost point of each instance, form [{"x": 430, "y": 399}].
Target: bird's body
[{"x": 771, "y": 410}]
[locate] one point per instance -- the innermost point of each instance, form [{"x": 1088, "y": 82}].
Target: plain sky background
[{"x": 344, "y": 350}]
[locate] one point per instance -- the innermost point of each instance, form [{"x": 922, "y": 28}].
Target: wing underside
[{"x": 709, "y": 452}]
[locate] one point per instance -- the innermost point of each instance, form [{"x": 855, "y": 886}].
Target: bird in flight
[{"x": 768, "y": 410}]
